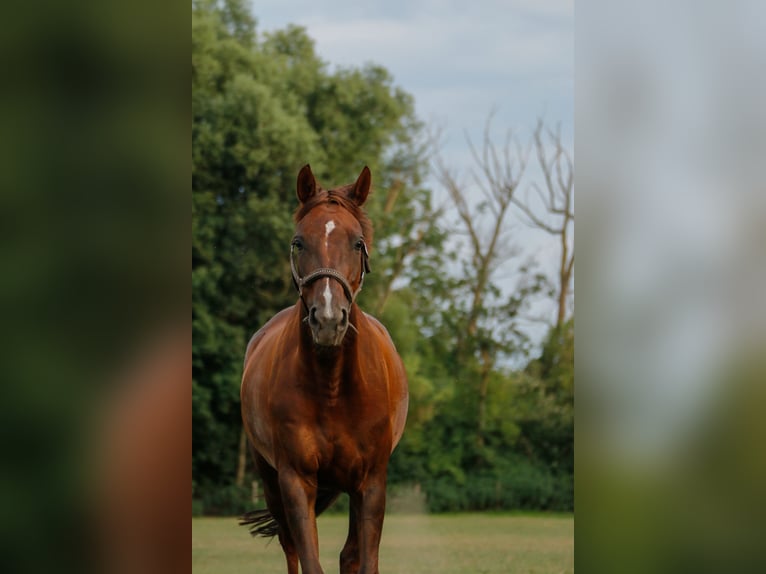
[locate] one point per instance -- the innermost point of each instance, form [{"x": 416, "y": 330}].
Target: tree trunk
[
  {"x": 562, "y": 302},
  {"x": 565, "y": 276},
  {"x": 486, "y": 368},
  {"x": 242, "y": 460}
]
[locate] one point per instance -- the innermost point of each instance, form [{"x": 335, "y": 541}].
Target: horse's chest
[
  {"x": 347, "y": 451},
  {"x": 343, "y": 461},
  {"x": 339, "y": 443}
]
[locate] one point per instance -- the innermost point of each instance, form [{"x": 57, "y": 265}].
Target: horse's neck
[{"x": 328, "y": 366}]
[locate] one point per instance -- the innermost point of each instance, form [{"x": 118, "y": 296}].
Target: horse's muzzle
[{"x": 328, "y": 329}]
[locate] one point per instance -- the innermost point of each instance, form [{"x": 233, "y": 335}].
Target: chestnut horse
[{"x": 324, "y": 392}]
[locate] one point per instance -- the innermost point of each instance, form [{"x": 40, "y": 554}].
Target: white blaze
[
  {"x": 328, "y": 227},
  {"x": 327, "y": 295}
]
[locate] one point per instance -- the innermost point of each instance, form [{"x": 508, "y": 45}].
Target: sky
[{"x": 460, "y": 61}]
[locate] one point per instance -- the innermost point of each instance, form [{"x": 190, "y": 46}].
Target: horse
[{"x": 324, "y": 392}]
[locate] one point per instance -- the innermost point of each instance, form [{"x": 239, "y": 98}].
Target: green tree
[{"x": 546, "y": 398}]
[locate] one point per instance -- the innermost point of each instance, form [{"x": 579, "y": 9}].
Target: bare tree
[
  {"x": 557, "y": 199},
  {"x": 496, "y": 174}
]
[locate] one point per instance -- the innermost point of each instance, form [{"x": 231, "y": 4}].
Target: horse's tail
[
  {"x": 263, "y": 523},
  {"x": 260, "y": 523}
]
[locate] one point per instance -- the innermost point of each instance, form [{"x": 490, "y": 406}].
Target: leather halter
[{"x": 301, "y": 282}]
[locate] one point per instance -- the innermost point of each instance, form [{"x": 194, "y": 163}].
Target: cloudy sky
[{"x": 458, "y": 59}]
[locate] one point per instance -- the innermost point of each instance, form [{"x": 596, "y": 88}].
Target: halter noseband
[{"x": 301, "y": 282}]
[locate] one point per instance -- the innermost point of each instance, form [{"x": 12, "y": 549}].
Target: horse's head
[{"x": 329, "y": 252}]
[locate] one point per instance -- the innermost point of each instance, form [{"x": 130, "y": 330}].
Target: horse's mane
[{"x": 338, "y": 196}]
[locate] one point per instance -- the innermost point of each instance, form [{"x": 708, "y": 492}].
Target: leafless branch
[{"x": 558, "y": 176}]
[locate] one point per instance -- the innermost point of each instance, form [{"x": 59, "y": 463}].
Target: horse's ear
[
  {"x": 307, "y": 184},
  {"x": 362, "y": 187}
]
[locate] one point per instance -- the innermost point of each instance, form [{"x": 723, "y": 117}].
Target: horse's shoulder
[
  {"x": 378, "y": 326},
  {"x": 383, "y": 334},
  {"x": 271, "y": 326}
]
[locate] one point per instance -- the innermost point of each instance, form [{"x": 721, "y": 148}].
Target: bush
[
  {"x": 519, "y": 486},
  {"x": 227, "y": 501},
  {"x": 563, "y": 494}
]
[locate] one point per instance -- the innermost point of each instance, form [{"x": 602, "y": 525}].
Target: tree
[
  {"x": 497, "y": 174},
  {"x": 557, "y": 199},
  {"x": 245, "y": 141},
  {"x": 501, "y": 438},
  {"x": 547, "y": 426}
]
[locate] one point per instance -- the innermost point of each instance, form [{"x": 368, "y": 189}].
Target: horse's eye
[
  {"x": 359, "y": 244},
  {"x": 297, "y": 244}
]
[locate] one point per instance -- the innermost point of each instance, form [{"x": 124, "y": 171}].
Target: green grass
[{"x": 412, "y": 544}]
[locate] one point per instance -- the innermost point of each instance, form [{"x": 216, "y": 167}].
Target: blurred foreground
[
  {"x": 670, "y": 458},
  {"x": 94, "y": 293}
]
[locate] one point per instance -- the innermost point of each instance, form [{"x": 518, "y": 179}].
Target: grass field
[{"x": 412, "y": 544}]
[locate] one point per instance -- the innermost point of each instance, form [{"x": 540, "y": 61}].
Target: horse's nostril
[
  {"x": 313, "y": 316},
  {"x": 343, "y": 317}
]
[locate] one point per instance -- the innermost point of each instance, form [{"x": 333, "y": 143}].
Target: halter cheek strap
[{"x": 301, "y": 282}]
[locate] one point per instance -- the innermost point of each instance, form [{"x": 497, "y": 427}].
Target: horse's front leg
[
  {"x": 277, "y": 508},
  {"x": 371, "y": 502},
  {"x": 349, "y": 556},
  {"x": 299, "y": 494}
]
